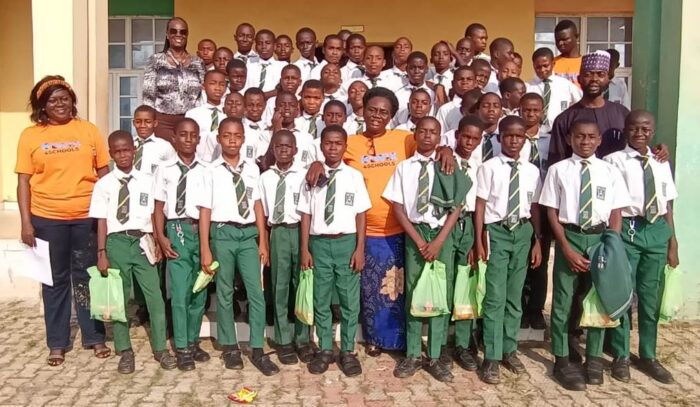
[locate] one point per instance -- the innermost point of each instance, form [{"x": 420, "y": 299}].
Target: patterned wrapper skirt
[{"x": 383, "y": 314}]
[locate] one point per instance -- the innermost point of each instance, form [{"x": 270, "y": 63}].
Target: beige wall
[{"x": 584, "y": 7}]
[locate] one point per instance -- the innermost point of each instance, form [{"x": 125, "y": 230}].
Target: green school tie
[
  {"x": 440, "y": 78},
  {"x": 263, "y": 72},
  {"x": 585, "y": 200},
  {"x": 651, "y": 207},
  {"x": 214, "y": 119},
  {"x": 239, "y": 186},
  {"x": 329, "y": 211},
  {"x": 469, "y": 183},
  {"x": 139, "y": 152},
  {"x": 313, "y": 129},
  {"x": 534, "y": 152},
  {"x": 182, "y": 188},
  {"x": 360, "y": 124},
  {"x": 513, "y": 216},
  {"x": 278, "y": 211},
  {"x": 123, "y": 200},
  {"x": 423, "y": 188},
  {"x": 373, "y": 81},
  {"x": 487, "y": 147},
  {"x": 243, "y": 58},
  {"x": 546, "y": 95},
  {"x": 312, "y": 65}
]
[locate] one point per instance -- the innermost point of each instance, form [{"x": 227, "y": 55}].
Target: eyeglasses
[{"x": 175, "y": 31}]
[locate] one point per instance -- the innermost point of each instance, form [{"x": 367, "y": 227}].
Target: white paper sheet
[{"x": 34, "y": 263}]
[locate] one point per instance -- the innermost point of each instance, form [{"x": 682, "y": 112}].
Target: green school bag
[
  {"x": 480, "y": 291},
  {"x": 594, "y": 315},
  {"x": 429, "y": 297},
  {"x": 304, "y": 302},
  {"x": 672, "y": 298},
  {"x": 106, "y": 296},
  {"x": 465, "y": 306}
]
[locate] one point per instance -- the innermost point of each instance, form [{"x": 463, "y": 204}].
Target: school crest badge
[
  {"x": 530, "y": 195},
  {"x": 249, "y": 193},
  {"x": 249, "y": 151},
  {"x": 296, "y": 198},
  {"x": 143, "y": 199},
  {"x": 600, "y": 193},
  {"x": 349, "y": 198}
]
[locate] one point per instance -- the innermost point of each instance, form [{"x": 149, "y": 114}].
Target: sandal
[
  {"x": 101, "y": 351},
  {"x": 56, "y": 359}
]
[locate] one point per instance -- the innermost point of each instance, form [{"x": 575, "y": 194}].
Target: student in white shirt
[
  {"x": 617, "y": 89},
  {"x": 265, "y": 71},
  {"x": 205, "y": 51},
  {"x": 285, "y": 117},
  {"x": 151, "y": 151},
  {"x": 311, "y": 101},
  {"x": 397, "y": 77},
  {"x": 463, "y": 52},
  {"x": 179, "y": 186},
  {"x": 355, "y": 47},
  {"x": 122, "y": 203},
  {"x": 290, "y": 81},
  {"x": 558, "y": 93},
  {"x": 374, "y": 62},
  {"x": 332, "y": 54},
  {"x": 489, "y": 109},
  {"x": 440, "y": 75},
  {"x": 463, "y": 80},
  {"x": 234, "y": 105},
  {"x": 257, "y": 138},
  {"x": 245, "y": 38},
  {"x": 283, "y": 49},
  {"x": 237, "y": 75},
  {"x": 231, "y": 219},
  {"x": 512, "y": 89},
  {"x": 334, "y": 113},
  {"x": 209, "y": 115},
  {"x": 355, "y": 122},
  {"x": 222, "y": 56},
  {"x": 306, "y": 44},
  {"x": 466, "y": 107},
  {"x": 417, "y": 68},
  {"x": 419, "y": 106},
  {"x": 648, "y": 231},
  {"x": 507, "y": 192},
  {"x": 501, "y": 50},
  {"x": 478, "y": 35},
  {"x": 482, "y": 69},
  {"x": 332, "y": 244},
  {"x": 332, "y": 84}
]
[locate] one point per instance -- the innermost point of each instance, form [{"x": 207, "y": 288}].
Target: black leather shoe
[
  {"x": 466, "y": 359},
  {"x": 594, "y": 370},
  {"x": 446, "y": 358},
  {"x": 490, "y": 372},
  {"x": 511, "y": 362},
  {"x": 166, "y": 359},
  {"x": 185, "y": 359},
  {"x": 232, "y": 359},
  {"x": 655, "y": 370},
  {"x": 569, "y": 375},
  {"x": 305, "y": 352},
  {"x": 407, "y": 367},
  {"x": 319, "y": 364},
  {"x": 373, "y": 351},
  {"x": 524, "y": 321},
  {"x": 438, "y": 370},
  {"x": 287, "y": 355},
  {"x": 265, "y": 365},
  {"x": 537, "y": 321},
  {"x": 198, "y": 354},
  {"x": 349, "y": 364},
  {"x": 127, "y": 364},
  {"x": 620, "y": 369}
]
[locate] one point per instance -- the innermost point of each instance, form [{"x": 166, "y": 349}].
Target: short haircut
[
  {"x": 331, "y": 37},
  {"x": 419, "y": 90},
  {"x": 203, "y": 40},
  {"x": 312, "y": 84},
  {"x": 283, "y": 36},
  {"x": 282, "y": 133},
  {"x": 245, "y": 24},
  {"x": 282, "y": 93},
  {"x": 360, "y": 82},
  {"x": 235, "y": 63},
  {"x": 509, "y": 84},
  {"x": 334, "y": 128},
  {"x": 483, "y": 97},
  {"x": 509, "y": 121},
  {"x": 224, "y": 49},
  {"x": 614, "y": 55},
  {"x": 582, "y": 122},
  {"x": 145, "y": 109},
  {"x": 254, "y": 92},
  {"x": 380, "y": 92},
  {"x": 532, "y": 96},
  {"x": 473, "y": 27},
  {"x": 187, "y": 120},
  {"x": 213, "y": 72},
  {"x": 516, "y": 55},
  {"x": 233, "y": 95},
  {"x": 566, "y": 25},
  {"x": 336, "y": 103},
  {"x": 356, "y": 36},
  {"x": 120, "y": 135},
  {"x": 232, "y": 120},
  {"x": 292, "y": 67},
  {"x": 437, "y": 44},
  {"x": 304, "y": 30},
  {"x": 464, "y": 68},
  {"x": 265, "y": 31},
  {"x": 499, "y": 42},
  {"x": 471, "y": 96},
  {"x": 542, "y": 52},
  {"x": 470, "y": 120},
  {"x": 478, "y": 63},
  {"x": 428, "y": 119},
  {"x": 417, "y": 55}
]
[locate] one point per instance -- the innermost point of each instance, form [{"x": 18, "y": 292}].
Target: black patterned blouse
[{"x": 171, "y": 88}]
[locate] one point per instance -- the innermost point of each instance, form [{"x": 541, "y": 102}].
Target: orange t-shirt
[
  {"x": 568, "y": 68},
  {"x": 389, "y": 150},
  {"x": 62, "y": 160}
]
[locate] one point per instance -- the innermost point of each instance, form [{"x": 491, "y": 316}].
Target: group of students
[{"x": 255, "y": 176}]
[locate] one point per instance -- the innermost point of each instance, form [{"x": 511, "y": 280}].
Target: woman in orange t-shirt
[{"x": 59, "y": 160}]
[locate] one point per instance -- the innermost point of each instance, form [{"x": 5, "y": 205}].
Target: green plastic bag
[
  {"x": 480, "y": 291},
  {"x": 106, "y": 296},
  {"x": 594, "y": 315},
  {"x": 304, "y": 302},
  {"x": 465, "y": 306},
  {"x": 429, "y": 298},
  {"x": 672, "y": 298},
  {"x": 203, "y": 279}
]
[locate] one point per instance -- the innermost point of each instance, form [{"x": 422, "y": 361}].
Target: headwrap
[
  {"x": 52, "y": 82},
  {"x": 596, "y": 61}
]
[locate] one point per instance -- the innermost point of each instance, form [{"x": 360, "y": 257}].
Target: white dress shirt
[
  {"x": 563, "y": 93},
  {"x": 293, "y": 182},
  {"x": 393, "y": 79},
  {"x": 354, "y": 124},
  {"x": 156, "y": 151},
  {"x": 618, "y": 92},
  {"x": 220, "y": 193},
  {"x": 444, "y": 79},
  {"x": 208, "y": 148},
  {"x": 450, "y": 114},
  {"x": 273, "y": 73},
  {"x": 305, "y": 66},
  {"x": 167, "y": 180},
  {"x": 316, "y": 72},
  {"x": 350, "y": 72},
  {"x": 105, "y": 201}
]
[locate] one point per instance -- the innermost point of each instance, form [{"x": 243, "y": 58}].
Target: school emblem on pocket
[
  {"x": 530, "y": 195},
  {"x": 249, "y": 193},
  {"x": 249, "y": 151},
  {"x": 143, "y": 199},
  {"x": 296, "y": 198},
  {"x": 349, "y": 198},
  {"x": 600, "y": 193},
  {"x": 564, "y": 105},
  {"x": 304, "y": 156}
]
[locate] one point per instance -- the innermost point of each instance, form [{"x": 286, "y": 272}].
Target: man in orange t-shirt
[{"x": 568, "y": 64}]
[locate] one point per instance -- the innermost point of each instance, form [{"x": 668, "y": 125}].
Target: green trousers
[
  {"x": 437, "y": 326},
  {"x": 463, "y": 237},
  {"x": 565, "y": 284},
  {"x": 284, "y": 262},
  {"x": 187, "y": 307},
  {"x": 647, "y": 253},
  {"x": 236, "y": 250},
  {"x": 332, "y": 272},
  {"x": 505, "y": 275},
  {"x": 125, "y": 254}
]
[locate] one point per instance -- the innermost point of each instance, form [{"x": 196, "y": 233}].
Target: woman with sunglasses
[
  {"x": 375, "y": 153},
  {"x": 172, "y": 80}
]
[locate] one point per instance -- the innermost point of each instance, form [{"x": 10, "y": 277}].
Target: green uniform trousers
[
  {"x": 187, "y": 307},
  {"x": 125, "y": 254},
  {"x": 505, "y": 275},
  {"x": 236, "y": 250},
  {"x": 284, "y": 264},
  {"x": 647, "y": 253},
  {"x": 332, "y": 272},
  {"x": 565, "y": 285},
  {"x": 437, "y": 326},
  {"x": 463, "y": 236}
]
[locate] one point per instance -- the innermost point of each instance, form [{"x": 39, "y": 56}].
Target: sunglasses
[{"x": 175, "y": 31}]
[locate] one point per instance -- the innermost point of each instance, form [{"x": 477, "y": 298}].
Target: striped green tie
[
  {"x": 214, "y": 119},
  {"x": 534, "y": 152},
  {"x": 313, "y": 128},
  {"x": 263, "y": 72},
  {"x": 513, "y": 217},
  {"x": 123, "y": 203},
  {"x": 139, "y": 152},
  {"x": 651, "y": 206},
  {"x": 329, "y": 211},
  {"x": 469, "y": 183},
  {"x": 546, "y": 95},
  {"x": 360, "y": 124},
  {"x": 278, "y": 211},
  {"x": 239, "y": 186},
  {"x": 423, "y": 186},
  {"x": 181, "y": 191},
  {"x": 487, "y": 146},
  {"x": 585, "y": 200}
]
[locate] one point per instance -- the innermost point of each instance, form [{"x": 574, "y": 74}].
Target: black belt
[
  {"x": 286, "y": 225},
  {"x": 593, "y": 230},
  {"x": 130, "y": 233},
  {"x": 237, "y": 225},
  {"x": 336, "y": 236},
  {"x": 637, "y": 219},
  {"x": 190, "y": 221}
]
